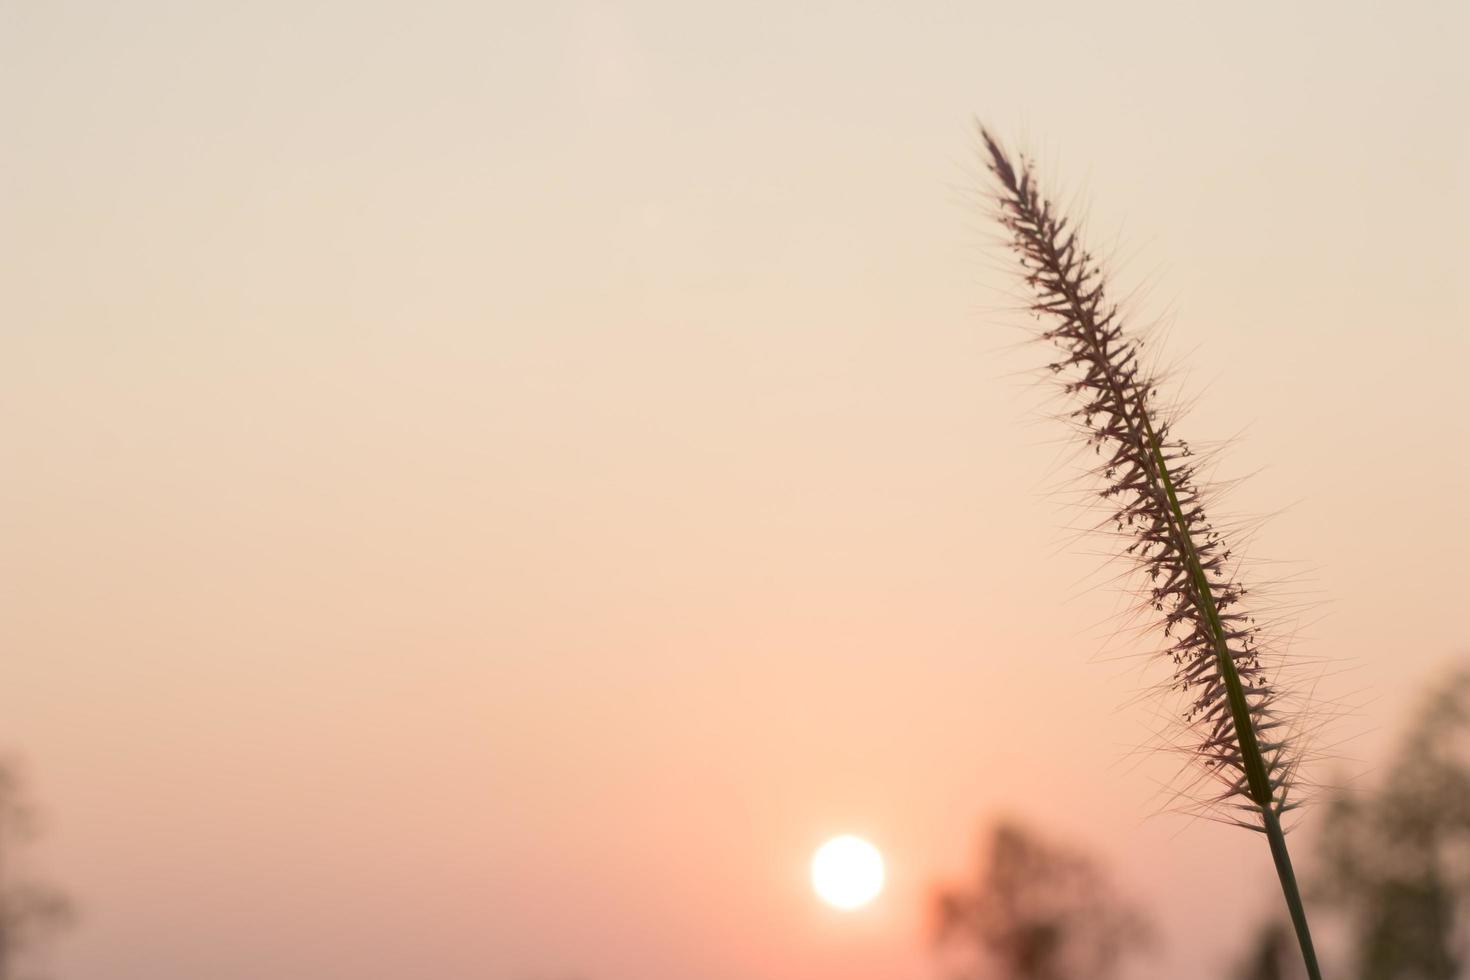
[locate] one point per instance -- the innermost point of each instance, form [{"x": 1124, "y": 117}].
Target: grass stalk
[{"x": 1149, "y": 484}]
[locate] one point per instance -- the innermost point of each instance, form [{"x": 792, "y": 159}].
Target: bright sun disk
[{"x": 847, "y": 872}]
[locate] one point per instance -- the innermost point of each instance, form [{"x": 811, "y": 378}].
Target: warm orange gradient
[{"x": 487, "y": 489}]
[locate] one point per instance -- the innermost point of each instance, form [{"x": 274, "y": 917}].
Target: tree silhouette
[
  {"x": 1396, "y": 859},
  {"x": 29, "y": 911},
  {"x": 1037, "y": 912}
]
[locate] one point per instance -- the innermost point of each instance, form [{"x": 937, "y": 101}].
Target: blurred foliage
[
  {"x": 1394, "y": 858},
  {"x": 1036, "y": 911},
  {"x": 29, "y": 911}
]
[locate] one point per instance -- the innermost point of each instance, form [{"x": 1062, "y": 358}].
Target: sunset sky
[{"x": 487, "y": 489}]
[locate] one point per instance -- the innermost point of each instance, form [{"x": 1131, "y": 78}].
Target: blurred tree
[
  {"x": 29, "y": 911},
  {"x": 1274, "y": 955},
  {"x": 1037, "y": 912},
  {"x": 1396, "y": 860}
]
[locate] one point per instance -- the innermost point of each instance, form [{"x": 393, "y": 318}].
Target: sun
[{"x": 847, "y": 872}]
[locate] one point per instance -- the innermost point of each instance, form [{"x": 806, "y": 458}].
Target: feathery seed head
[{"x": 1151, "y": 495}]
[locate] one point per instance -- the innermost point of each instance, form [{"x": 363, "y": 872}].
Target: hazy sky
[{"x": 488, "y": 488}]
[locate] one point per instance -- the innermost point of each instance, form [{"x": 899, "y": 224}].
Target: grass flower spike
[{"x": 1230, "y": 707}]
